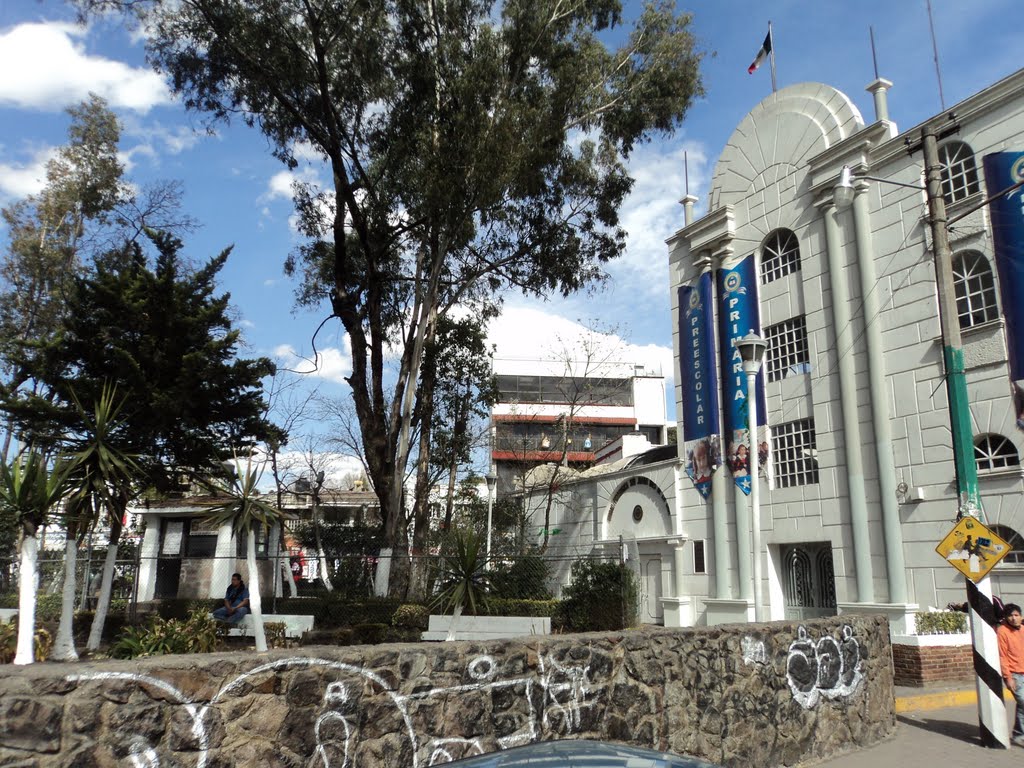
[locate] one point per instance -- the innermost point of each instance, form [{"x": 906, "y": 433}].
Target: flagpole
[{"x": 771, "y": 54}]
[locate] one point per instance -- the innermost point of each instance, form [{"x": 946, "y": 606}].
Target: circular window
[{"x": 638, "y": 513}]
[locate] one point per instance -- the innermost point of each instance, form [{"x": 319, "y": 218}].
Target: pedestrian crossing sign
[{"x": 972, "y": 548}]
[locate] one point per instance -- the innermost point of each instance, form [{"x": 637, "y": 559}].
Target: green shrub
[
  {"x": 274, "y": 631},
  {"x": 328, "y": 637},
  {"x": 411, "y": 616},
  {"x": 180, "y": 608},
  {"x": 330, "y": 609},
  {"x": 940, "y": 622},
  {"x": 197, "y": 634},
  {"x": 48, "y": 607},
  {"x": 42, "y": 641},
  {"x": 600, "y": 596},
  {"x": 503, "y": 607},
  {"x": 525, "y": 578},
  {"x": 369, "y": 634}
]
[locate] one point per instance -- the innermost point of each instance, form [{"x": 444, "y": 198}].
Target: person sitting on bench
[{"x": 236, "y": 602}]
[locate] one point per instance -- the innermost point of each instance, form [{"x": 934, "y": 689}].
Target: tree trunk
[
  {"x": 321, "y": 555},
  {"x": 106, "y": 586},
  {"x": 255, "y": 604},
  {"x": 455, "y": 620},
  {"x": 28, "y": 576},
  {"x": 64, "y": 644}
]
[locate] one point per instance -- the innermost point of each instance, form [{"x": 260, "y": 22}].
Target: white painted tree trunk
[
  {"x": 64, "y": 644},
  {"x": 255, "y": 604},
  {"x": 28, "y": 577},
  {"x": 321, "y": 556},
  {"x": 455, "y": 621},
  {"x": 103, "y": 604}
]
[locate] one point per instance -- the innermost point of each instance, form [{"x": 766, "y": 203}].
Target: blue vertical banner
[
  {"x": 699, "y": 383},
  {"x": 1002, "y": 170},
  {"x": 738, "y": 315}
]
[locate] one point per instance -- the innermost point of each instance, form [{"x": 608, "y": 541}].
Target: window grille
[
  {"x": 780, "y": 255},
  {"x": 959, "y": 173},
  {"x": 796, "y": 453},
  {"x": 787, "y": 349},
  {"x": 975, "y": 289},
  {"x": 994, "y": 452},
  {"x": 1014, "y": 539}
]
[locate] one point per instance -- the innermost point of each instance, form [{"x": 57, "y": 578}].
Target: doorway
[
  {"x": 168, "y": 564},
  {"x": 808, "y": 580},
  {"x": 651, "y": 609}
]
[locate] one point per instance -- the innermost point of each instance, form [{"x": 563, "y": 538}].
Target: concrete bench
[
  {"x": 487, "y": 627},
  {"x": 294, "y": 624},
  {"x": 8, "y": 614}
]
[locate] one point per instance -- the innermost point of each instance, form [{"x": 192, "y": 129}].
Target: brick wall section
[{"x": 922, "y": 665}]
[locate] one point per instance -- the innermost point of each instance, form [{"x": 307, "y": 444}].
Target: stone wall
[{"x": 737, "y": 695}]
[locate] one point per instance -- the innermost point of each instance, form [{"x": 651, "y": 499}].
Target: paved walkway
[{"x": 935, "y": 729}]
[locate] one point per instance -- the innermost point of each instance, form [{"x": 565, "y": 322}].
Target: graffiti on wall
[
  {"x": 753, "y": 651},
  {"x": 556, "y": 700},
  {"x": 827, "y": 668}
]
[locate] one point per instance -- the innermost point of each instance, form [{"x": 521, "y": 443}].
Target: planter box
[
  {"x": 921, "y": 660},
  {"x": 487, "y": 627}
]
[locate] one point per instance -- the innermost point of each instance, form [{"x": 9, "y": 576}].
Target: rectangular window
[
  {"x": 796, "y": 453},
  {"x": 787, "y": 348},
  {"x": 699, "y": 562}
]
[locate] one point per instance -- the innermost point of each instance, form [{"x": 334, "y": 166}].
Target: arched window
[
  {"x": 975, "y": 289},
  {"x": 959, "y": 173},
  {"x": 994, "y": 452},
  {"x": 780, "y": 255},
  {"x": 1014, "y": 539}
]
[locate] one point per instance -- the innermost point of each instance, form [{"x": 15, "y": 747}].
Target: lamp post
[
  {"x": 492, "y": 482},
  {"x": 752, "y": 348}
]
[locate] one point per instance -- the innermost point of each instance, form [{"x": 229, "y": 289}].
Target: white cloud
[
  {"x": 18, "y": 181},
  {"x": 331, "y": 363},
  {"x": 280, "y": 184},
  {"x": 532, "y": 333},
  {"x": 45, "y": 66}
]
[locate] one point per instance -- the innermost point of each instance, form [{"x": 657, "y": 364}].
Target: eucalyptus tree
[
  {"x": 244, "y": 509},
  {"x": 470, "y": 147},
  {"x": 30, "y": 488}
]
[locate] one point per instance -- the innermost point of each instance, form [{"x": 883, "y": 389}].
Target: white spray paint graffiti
[
  {"x": 753, "y": 651},
  {"x": 566, "y": 691},
  {"x": 827, "y": 668}
]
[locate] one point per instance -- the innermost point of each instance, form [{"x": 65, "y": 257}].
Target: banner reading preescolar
[
  {"x": 1003, "y": 170},
  {"x": 738, "y": 315},
  {"x": 698, "y": 383}
]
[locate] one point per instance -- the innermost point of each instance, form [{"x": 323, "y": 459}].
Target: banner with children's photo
[
  {"x": 1003, "y": 170},
  {"x": 739, "y": 315},
  {"x": 699, "y": 383}
]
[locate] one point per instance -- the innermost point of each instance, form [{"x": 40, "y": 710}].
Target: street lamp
[
  {"x": 752, "y": 348},
  {"x": 492, "y": 481}
]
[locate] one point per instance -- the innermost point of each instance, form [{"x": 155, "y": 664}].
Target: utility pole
[{"x": 988, "y": 681}]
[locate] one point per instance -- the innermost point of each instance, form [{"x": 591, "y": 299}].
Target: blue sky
[{"x": 241, "y": 195}]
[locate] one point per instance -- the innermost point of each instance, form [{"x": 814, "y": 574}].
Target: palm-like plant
[
  {"x": 245, "y": 510},
  {"x": 29, "y": 488},
  {"x": 464, "y": 582},
  {"x": 103, "y": 476}
]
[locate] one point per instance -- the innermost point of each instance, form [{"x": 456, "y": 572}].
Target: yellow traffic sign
[{"x": 972, "y": 548}]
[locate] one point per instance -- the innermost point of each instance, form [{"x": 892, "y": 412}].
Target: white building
[{"x": 861, "y": 448}]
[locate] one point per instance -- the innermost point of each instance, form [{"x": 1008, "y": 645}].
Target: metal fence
[{"x": 354, "y": 577}]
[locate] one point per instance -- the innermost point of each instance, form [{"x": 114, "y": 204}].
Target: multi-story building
[
  {"x": 563, "y": 412},
  {"x": 861, "y": 452}
]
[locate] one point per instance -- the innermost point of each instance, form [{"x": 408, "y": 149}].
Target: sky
[{"x": 241, "y": 195}]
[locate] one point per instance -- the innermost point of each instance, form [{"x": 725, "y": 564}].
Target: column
[
  {"x": 850, "y": 438},
  {"x": 148, "y": 557},
  {"x": 880, "y": 416}
]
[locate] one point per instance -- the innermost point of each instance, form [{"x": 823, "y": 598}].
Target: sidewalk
[{"x": 934, "y": 727}]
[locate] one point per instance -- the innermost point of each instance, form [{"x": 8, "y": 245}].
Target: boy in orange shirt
[{"x": 1011, "y": 663}]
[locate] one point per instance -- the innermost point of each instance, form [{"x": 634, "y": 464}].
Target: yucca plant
[
  {"x": 29, "y": 488},
  {"x": 102, "y": 475},
  {"x": 463, "y": 585},
  {"x": 245, "y": 510}
]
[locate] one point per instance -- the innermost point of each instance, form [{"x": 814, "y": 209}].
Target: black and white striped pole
[{"x": 988, "y": 681}]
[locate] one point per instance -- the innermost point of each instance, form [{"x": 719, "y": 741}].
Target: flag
[{"x": 766, "y": 48}]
